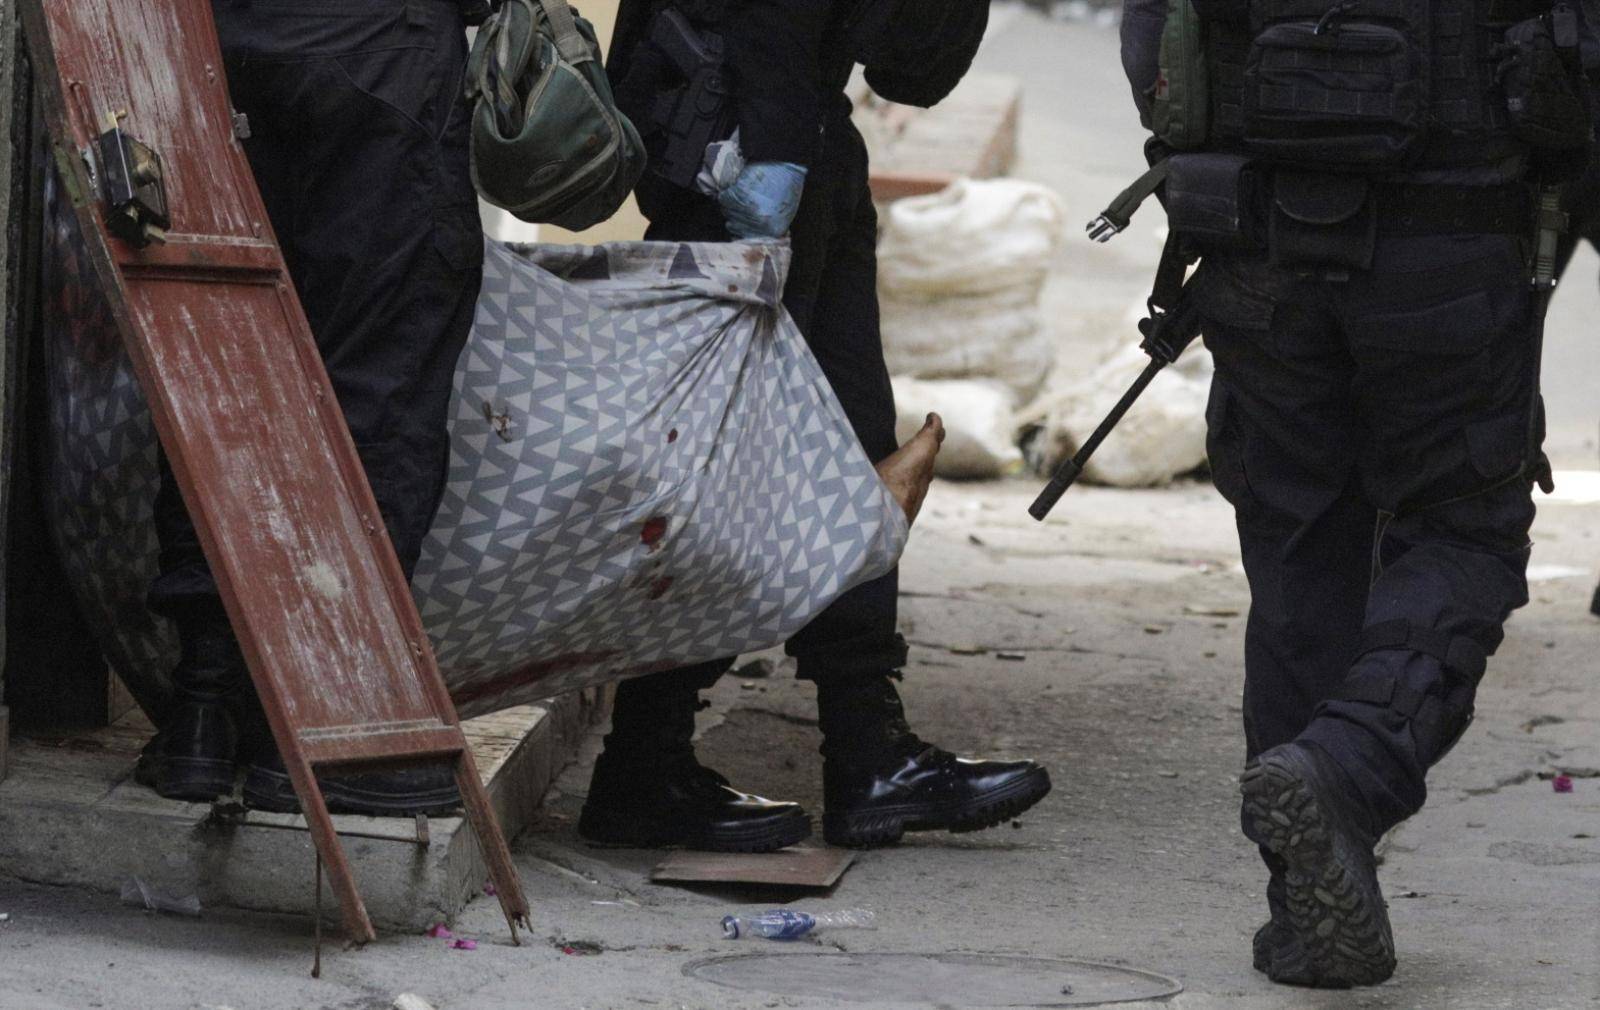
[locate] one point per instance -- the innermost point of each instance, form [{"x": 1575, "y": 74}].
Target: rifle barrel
[{"x": 1072, "y": 469}]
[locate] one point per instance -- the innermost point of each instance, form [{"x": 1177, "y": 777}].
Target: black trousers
[
  {"x": 832, "y": 294},
  {"x": 358, "y": 142},
  {"x": 1372, "y": 436}
]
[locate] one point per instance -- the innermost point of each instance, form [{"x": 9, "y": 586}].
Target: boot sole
[
  {"x": 191, "y": 780},
  {"x": 1336, "y": 911},
  {"x": 629, "y": 831},
  {"x": 274, "y": 793},
  {"x": 870, "y": 829}
]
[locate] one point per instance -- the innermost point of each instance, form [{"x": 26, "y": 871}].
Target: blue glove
[{"x": 762, "y": 201}]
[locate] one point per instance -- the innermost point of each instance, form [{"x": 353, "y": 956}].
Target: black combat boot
[
  {"x": 1275, "y": 940},
  {"x": 400, "y": 792},
  {"x": 649, "y": 791},
  {"x": 880, "y": 780},
  {"x": 1297, "y": 805},
  {"x": 194, "y": 756}
]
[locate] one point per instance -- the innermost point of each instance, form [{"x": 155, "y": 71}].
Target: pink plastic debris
[
  {"x": 465, "y": 945},
  {"x": 1563, "y": 783},
  {"x": 439, "y": 931}
]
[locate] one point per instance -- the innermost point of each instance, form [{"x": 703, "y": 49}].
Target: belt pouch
[
  {"x": 1213, "y": 200},
  {"x": 1321, "y": 221}
]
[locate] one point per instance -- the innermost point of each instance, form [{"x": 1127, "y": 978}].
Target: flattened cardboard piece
[{"x": 795, "y": 867}]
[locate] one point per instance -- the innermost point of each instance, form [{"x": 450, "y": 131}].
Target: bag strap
[
  {"x": 499, "y": 71},
  {"x": 564, "y": 28}
]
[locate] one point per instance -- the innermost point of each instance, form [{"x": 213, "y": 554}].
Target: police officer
[
  {"x": 785, "y": 64},
  {"x": 357, "y": 137},
  {"x": 1361, "y": 199}
]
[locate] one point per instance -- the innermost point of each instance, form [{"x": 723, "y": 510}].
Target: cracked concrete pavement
[
  {"x": 1122, "y": 622},
  {"x": 1125, "y": 611}
]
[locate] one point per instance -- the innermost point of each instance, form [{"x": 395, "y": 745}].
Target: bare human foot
[{"x": 910, "y": 470}]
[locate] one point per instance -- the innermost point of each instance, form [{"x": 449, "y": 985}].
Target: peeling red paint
[
  {"x": 659, "y": 587},
  {"x": 655, "y": 528}
]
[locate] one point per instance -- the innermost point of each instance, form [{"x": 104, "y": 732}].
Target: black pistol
[{"x": 698, "y": 113}]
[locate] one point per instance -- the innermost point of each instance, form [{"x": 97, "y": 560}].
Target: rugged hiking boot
[
  {"x": 1295, "y": 806},
  {"x": 881, "y": 780},
  {"x": 1275, "y": 940},
  {"x": 680, "y": 802},
  {"x": 400, "y": 792}
]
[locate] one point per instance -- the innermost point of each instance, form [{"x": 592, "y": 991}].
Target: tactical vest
[{"x": 1358, "y": 85}]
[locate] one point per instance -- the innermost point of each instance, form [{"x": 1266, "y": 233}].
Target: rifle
[{"x": 1171, "y": 326}]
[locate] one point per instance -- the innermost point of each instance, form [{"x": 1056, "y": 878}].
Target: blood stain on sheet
[
  {"x": 659, "y": 587},
  {"x": 655, "y": 529}
]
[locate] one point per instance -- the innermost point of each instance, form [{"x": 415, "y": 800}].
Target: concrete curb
[{"x": 71, "y": 815}]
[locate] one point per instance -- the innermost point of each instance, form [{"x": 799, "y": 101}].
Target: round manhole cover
[{"x": 967, "y": 980}]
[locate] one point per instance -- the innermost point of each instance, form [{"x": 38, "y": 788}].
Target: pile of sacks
[
  {"x": 959, "y": 278},
  {"x": 960, "y": 274}
]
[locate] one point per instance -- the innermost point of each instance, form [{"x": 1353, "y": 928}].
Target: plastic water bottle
[{"x": 787, "y": 924}]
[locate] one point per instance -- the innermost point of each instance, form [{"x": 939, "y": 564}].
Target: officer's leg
[
  {"x": 193, "y": 756},
  {"x": 1440, "y": 331},
  {"x": 1282, "y": 444},
  {"x": 359, "y": 142},
  {"x": 831, "y": 293},
  {"x": 648, "y": 789},
  {"x": 1443, "y": 333},
  {"x": 879, "y": 778}
]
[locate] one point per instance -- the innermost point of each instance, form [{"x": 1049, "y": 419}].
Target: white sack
[
  {"x": 980, "y": 435},
  {"x": 959, "y": 278},
  {"x": 1163, "y": 436}
]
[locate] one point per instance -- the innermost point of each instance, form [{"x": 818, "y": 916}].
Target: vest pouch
[
  {"x": 1546, "y": 92},
  {"x": 1338, "y": 92},
  {"x": 1214, "y": 200},
  {"x": 1321, "y": 221},
  {"x": 1181, "y": 107}
]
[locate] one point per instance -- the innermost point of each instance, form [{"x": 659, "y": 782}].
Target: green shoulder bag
[{"x": 548, "y": 142}]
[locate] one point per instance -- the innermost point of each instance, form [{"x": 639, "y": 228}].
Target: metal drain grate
[{"x": 967, "y": 980}]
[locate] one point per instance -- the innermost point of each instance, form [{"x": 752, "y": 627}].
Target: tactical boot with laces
[
  {"x": 1275, "y": 941},
  {"x": 1296, "y": 805}
]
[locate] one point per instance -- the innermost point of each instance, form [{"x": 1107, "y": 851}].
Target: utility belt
[{"x": 1324, "y": 220}]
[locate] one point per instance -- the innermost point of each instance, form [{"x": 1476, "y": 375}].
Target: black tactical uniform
[
  {"x": 787, "y": 63},
  {"x": 1373, "y": 419},
  {"x": 357, "y": 139}
]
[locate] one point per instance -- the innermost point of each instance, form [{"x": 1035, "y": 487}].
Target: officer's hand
[{"x": 762, "y": 201}]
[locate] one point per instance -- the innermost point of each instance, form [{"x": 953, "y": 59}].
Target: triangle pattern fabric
[{"x": 647, "y": 469}]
